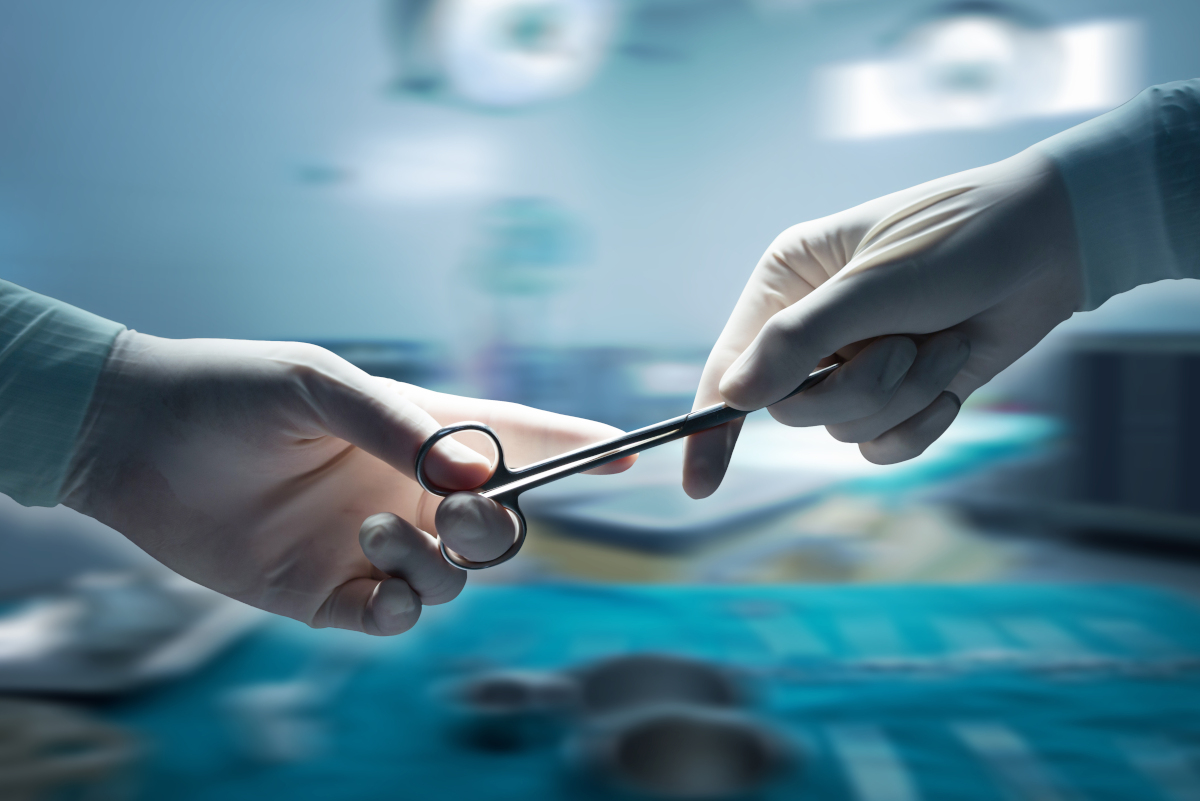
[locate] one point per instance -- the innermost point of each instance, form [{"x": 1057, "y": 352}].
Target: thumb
[
  {"x": 366, "y": 412},
  {"x": 475, "y": 527}
]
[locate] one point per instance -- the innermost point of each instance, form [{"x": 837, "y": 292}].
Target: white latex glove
[
  {"x": 281, "y": 475},
  {"x": 929, "y": 293}
]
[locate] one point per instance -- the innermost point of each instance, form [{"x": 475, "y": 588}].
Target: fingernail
[{"x": 902, "y": 355}]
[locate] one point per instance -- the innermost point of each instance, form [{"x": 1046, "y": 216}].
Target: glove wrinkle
[{"x": 911, "y": 231}]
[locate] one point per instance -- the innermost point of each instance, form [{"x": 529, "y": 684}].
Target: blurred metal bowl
[
  {"x": 511, "y": 710},
  {"x": 508, "y": 691},
  {"x": 682, "y": 752},
  {"x": 627, "y": 682}
]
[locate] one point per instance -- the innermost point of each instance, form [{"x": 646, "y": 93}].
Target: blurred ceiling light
[
  {"x": 978, "y": 65},
  {"x": 424, "y": 168},
  {"x": 501, "y": 53}
]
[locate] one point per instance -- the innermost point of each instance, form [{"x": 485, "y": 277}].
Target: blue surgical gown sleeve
[
  {"x": 51, "y": 355},
  {"x": 1133, "y": 176}
]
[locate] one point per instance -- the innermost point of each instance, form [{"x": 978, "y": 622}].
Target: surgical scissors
[{"x": 506, "y": 485}]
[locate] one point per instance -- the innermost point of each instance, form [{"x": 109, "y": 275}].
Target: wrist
[
  {"x": 1113, "y": 168},
  {"x": 114, "y": 426},
  {"x": 52, "y": 356}
]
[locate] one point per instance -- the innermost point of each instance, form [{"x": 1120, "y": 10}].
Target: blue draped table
[{"x": 885, "y": 693}]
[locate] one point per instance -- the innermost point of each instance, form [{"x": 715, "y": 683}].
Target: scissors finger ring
[{"x": 500, "y": 487}]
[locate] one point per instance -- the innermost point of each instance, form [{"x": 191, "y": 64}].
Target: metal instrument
[{"x": 506, "y": 485}]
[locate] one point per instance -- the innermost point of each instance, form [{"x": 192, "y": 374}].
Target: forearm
[
  {"x": 51, "y": 355},
  {"x": 1133, "y": 176}
]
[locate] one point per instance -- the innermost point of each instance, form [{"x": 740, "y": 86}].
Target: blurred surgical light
[
  {"x": 501, "y": 53},
  {"x": 977, "y": 65}
]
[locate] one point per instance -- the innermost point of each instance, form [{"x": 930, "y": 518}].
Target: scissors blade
[
  {"x": 577, "y": 461},
  {"x": 610, "y": 450}
]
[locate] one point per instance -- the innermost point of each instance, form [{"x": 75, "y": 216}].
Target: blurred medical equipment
[
  {"x": 511, "y": 710},
  {"x": 1136, "y": 441},
  {"x": 500, "y": 53},
  {"x": 621, "y": 683},
  {"x": 604, "y": 687},
  {"x": 651, "y": 724},
  {"x": 1128, "y": 466},
  {"x": 49, "y": 751},
  {"x": 115, "y": 632},
  {"x": 506, "y": 485},
  {"x": 682, "y": 751},
  {"x": 980, "y": 64},
  {"x": 658, "y": 518}
]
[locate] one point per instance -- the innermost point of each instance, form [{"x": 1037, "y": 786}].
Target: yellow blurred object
[
  {"x": 51, "y": 751},
  {"x": 844, "y": 539}
]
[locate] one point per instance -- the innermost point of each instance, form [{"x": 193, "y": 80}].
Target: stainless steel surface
[{"x": 506, "y": 485}]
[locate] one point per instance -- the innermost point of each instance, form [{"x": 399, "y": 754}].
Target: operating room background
[{"x": 557, "y": 202}]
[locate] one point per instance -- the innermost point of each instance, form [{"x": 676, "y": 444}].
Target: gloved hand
[
  {"x": 281, "y": 475},
  {"x": 927, "y": 294}
]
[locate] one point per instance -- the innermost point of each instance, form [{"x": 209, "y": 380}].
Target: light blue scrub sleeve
[
  {"x": 1133, "y": 176},
  {"x": 51, "y": 355}
]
